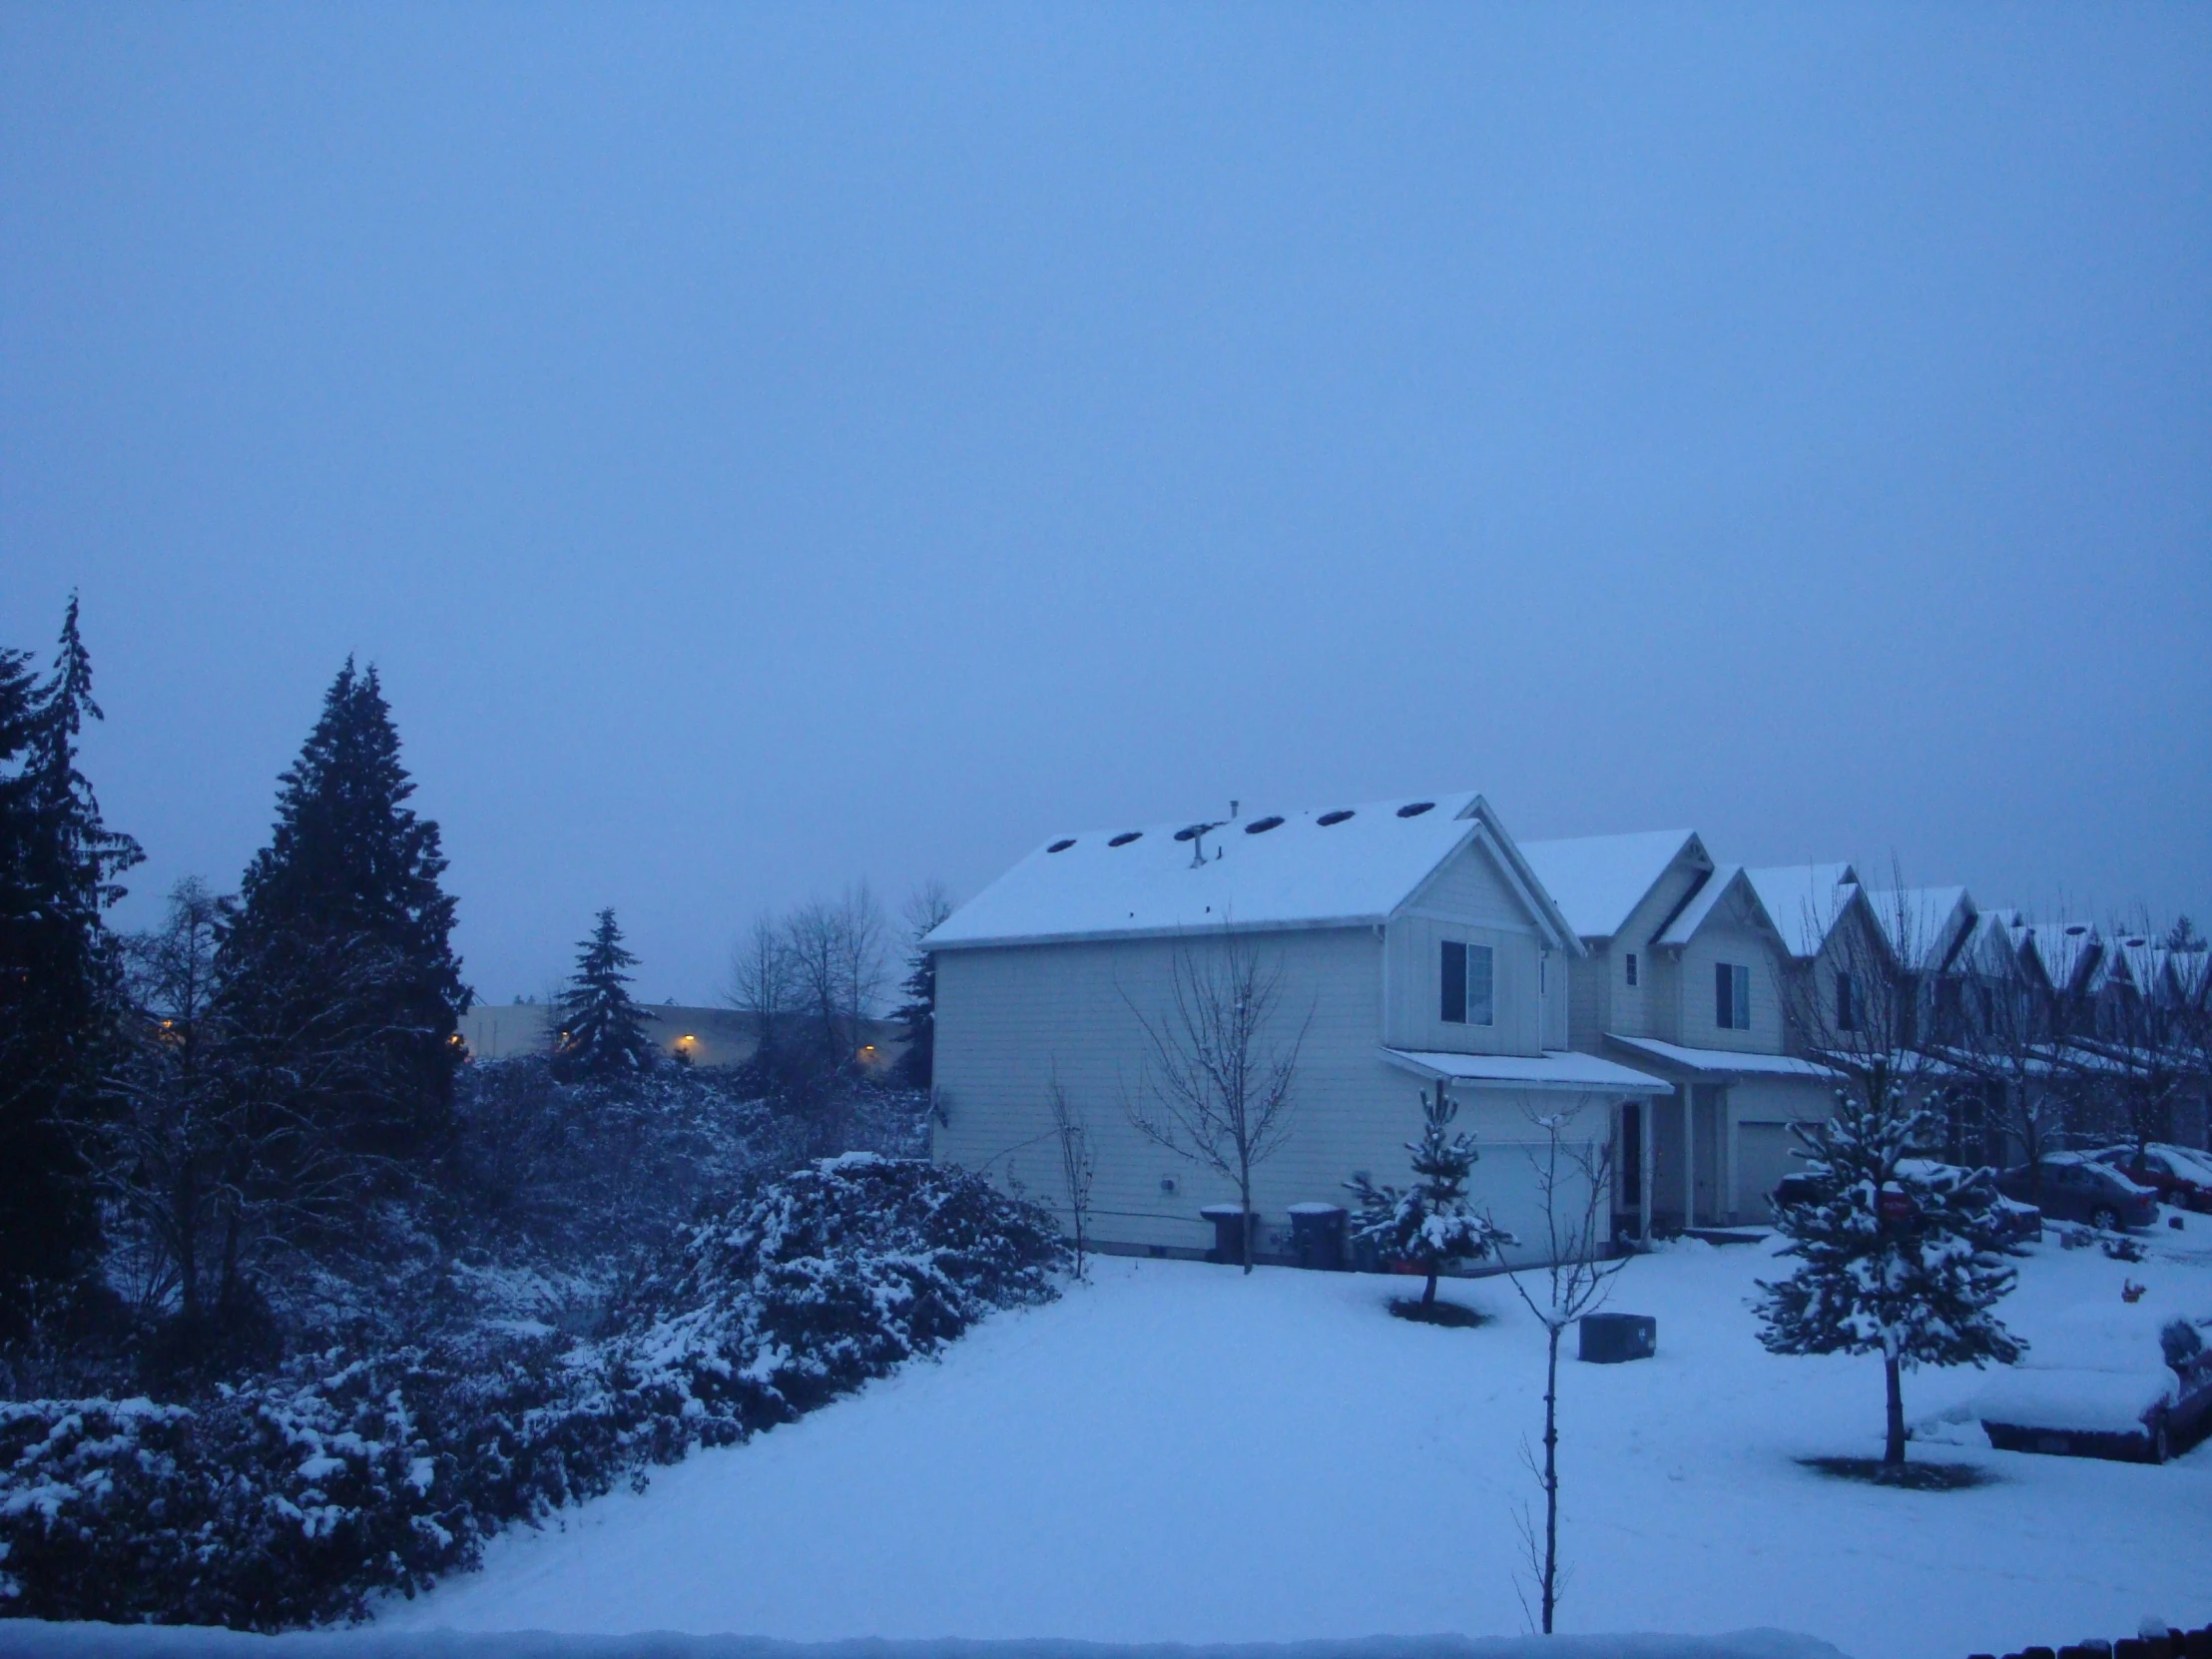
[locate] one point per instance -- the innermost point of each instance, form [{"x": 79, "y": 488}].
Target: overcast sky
[{"x": 767, "y": 447}]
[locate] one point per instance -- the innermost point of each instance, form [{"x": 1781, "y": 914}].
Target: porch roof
[
  {"x": 1719, "y": 1061},
  {"x": 1553, "y": 1069}
]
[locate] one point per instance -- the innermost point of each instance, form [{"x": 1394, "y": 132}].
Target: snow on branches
[
  {"x": 1900, "y": 1255},
  {"x": 1431, "y": 1223}
]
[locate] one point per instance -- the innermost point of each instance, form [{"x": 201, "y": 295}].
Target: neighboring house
[
  {"x": 1411, "y": 946},
  {"x": 1685, "y": 976},
  {"x": 704, "y": 1036}
]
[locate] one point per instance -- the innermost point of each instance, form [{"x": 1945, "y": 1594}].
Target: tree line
[{"x": 267, "y": 1084}]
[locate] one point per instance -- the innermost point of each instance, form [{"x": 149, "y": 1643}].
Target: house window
[
  {"x": 1846, "y": 1004},
  {"x": 1467, "y": 984},
  {"x": 1631, "y": 967},
  {"x": 1731, "y": 996},
  {"x": 1543, "y": 975}
]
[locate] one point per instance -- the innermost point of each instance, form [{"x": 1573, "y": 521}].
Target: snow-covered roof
[
  {"x": 1321, "y": 867},
  {"x": 1682, "y": 927},
  {"x": 1598, "y": 880},
  {"x": 1553, "y": 1069},
  {"x": 2063, "y": 949},
  {"x": 1805, "y": 900},
  {"x": 1724, "y": 1059},
  {"x": 1923, "y": 923}
]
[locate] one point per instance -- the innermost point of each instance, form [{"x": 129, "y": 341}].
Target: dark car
[
  {"x": 2023, "y": 1223},
  {"x": 2179, "y": 1175},
  {"x": 2075, "y": 1187},
  {"x": 2109, "y": 1380}
]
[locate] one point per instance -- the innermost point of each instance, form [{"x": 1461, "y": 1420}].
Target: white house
[
  {"x": 1411, "y": 945},
  {"x": 1685, "y": 976}
]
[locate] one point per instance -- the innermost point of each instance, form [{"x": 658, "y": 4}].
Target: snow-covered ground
[{"x": 1175, "y": 1452}]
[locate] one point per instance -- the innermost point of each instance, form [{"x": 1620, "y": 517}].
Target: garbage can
[
  {"x": 1318, "y": 1237},
  {"x": 1610, "y": 1339},
  {"x": 1229, "y": 1221}
]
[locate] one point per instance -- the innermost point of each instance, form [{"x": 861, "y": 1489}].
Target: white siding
[
  {"x": 1011, "y": 1019},
  {"x": 1731, "y": 938}
]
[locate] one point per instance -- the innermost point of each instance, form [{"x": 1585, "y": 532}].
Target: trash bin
[
  {"x": 1228, "y": 1239},
  {"x": 1318, "y": 1237},
  {"x": 1609, "y": 1338}
]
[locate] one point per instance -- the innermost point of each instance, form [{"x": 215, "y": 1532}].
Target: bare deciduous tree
[
  {"x": 1078, "y": 1165},
  {"x": 1215, "y": 1083},
  {"x": 1574, "y": 1183}
]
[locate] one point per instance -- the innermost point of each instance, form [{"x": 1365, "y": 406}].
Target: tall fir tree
[
  {"x": 602, "y": 1031},
  {"x": 1431, "y": 1224},
  {"x": 1898, "y": 1256},
  {"x": 344, "y": 908},
  {"x": 916, "y": 1018},
  {"x": 60, "y": 970}
]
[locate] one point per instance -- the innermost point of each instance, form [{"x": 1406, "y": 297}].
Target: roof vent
[
  {"x": 1125, "y": 838},
  {"x": 1060, "y": 846},
  {"x": 1414, "y": 808},
  {"x": 1338, "y": 817},
  {"x": 1259, "y": 824}
]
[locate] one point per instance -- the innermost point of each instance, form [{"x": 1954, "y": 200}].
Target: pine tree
[
  {"x": 1900, "y": 1257},
  {"x": 342, "y": 937},
  {"x": 916, "y": 1019},
  {"x": 1431, "y": 1223},
  {"x": 60, "y": 969},
  {"x": 602, "y": 1033},
  {"x": 917, "y": 1015}
]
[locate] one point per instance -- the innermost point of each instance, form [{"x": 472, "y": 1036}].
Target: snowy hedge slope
[
  {"x": 86, "y": 1641},
  {"x": 290, "y": 1500}
]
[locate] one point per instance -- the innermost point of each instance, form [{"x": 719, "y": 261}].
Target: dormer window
[{"x": 1467, "y": 977}]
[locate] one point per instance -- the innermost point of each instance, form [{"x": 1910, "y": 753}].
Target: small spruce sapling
[
  {"x": 1431, "y": 1223},
  {"x": 1897, "y": 1256}
]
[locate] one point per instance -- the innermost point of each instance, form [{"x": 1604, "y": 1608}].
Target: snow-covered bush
[
  {"x": 827, "y": 1279},
  {"x": 290, "y": 1500}
]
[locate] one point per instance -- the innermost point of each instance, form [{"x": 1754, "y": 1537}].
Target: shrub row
[{"x": 294, "y": 1499}]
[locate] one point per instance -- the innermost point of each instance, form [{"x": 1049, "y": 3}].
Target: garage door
[{"x": 1763, "y": 1157}]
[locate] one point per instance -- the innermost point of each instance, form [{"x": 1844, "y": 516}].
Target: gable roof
[
  {"x": 2064, "y": 951},
  {"x": 1805, "y": 902},
  {"x": 1682, "y": 927},
  {"x": 1598, "y": 881},
  {"x": 1342, "y": 868},
  {"x": 1931, "y": 923}
]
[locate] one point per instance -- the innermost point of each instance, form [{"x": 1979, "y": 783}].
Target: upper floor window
[
  {"x": 1732, "y": 996},
  {"x": 1467, "y": 977},
  {"x": 1631, "y": 967},
  {"x": 1846, "y": 1003}
]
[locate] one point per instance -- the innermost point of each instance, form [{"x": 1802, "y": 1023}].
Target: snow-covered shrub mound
[
  {"x": 292, "y": 1499},
  {"x": 824, "y": 1280}
]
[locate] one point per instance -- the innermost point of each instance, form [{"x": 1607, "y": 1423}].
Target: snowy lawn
[{"x": 1177, "y": 1453}]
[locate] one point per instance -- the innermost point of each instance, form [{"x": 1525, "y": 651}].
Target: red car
[{"x": 2179, "y": 1175}]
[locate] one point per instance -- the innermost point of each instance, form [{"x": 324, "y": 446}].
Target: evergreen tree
[
  {"x": 60, "y": 970},
  {"x": 916, "y": 1019},
  {"x": 917, "y": 1015},
  {"x": 340, "y": 953},
  {"x": 602, "y": 1033},
  {"x": 1431, "y": 1223},
  {"x": 1899, "y": 1256}
]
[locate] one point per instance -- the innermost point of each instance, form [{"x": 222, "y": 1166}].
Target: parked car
[
  {"x": 2179, "y": 1175},
  {"x": 2112, "y": 1380},
  {"x": 2023, "y": 1222},
  {"x": 2075, "y": 1187}
]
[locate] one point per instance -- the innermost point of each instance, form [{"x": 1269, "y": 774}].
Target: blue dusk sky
[{"x": 763, "y": 447}]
